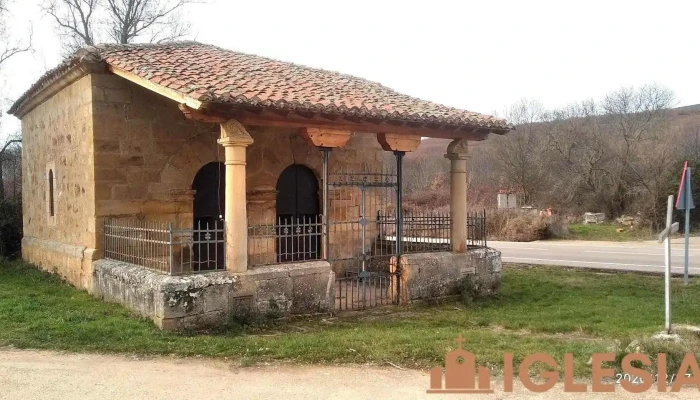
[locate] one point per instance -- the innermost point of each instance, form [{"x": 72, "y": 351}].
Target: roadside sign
[
  {"x": 685, "y": 202},
  {"x": 685, "y": 191}
]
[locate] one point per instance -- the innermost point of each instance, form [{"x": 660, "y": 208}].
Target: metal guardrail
[
  {"x": 162, "y": 247},
  {"x": 430, "y": 231},
  {"x": 288, "y": 239}
]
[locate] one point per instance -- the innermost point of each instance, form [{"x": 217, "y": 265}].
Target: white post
[{"x": 667, "y": 253}]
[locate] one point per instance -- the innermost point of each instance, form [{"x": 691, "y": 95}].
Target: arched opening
[
  {"x": 209, "y": 185},
  {"x": 51, "y": 196},
  {"x": 298, "y": 220}
]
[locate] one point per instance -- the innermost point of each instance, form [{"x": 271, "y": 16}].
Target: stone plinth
[
  {"x": 439, "y": 274},
  {"x": 214, "y": 299}
]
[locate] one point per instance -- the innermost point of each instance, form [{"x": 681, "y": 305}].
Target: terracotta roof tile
[{"x": 212, "y": 74}]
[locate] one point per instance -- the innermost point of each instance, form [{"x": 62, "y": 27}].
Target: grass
[
  {"x": 608, "y": 232},
  {"x": 541, "y": 309}
]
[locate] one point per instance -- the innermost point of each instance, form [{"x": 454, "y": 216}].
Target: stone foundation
[
  {"x": 212, "y": 299},
  {"x": 439, "y": 274},
  {"x": 72, "y": 263}
]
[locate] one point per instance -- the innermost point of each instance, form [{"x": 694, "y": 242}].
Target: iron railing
[
  {"x": 356, "y": 291},
  {"x": 476, "y": 229},
  {"x": 355, "y": 198},
  {"x": 288, "y": 239},
  {"x": 162, "y": 247},
  {"x": 430, "y": 231}
]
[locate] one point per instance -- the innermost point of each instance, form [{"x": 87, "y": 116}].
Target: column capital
[
  {"x": 398, "y": 142},
  {"x": 458, "y": 149},
  {"x": 329, "y": 138},
  {"x": 233, "y": 133}
]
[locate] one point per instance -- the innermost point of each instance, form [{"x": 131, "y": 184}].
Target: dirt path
[{"x": 49, "y": 375}]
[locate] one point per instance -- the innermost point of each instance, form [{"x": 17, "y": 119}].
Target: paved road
[
  {"x": 39, "y": 375},
  {"x": 629, "y": 256}
]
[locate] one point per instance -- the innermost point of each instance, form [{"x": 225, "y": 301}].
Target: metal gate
[{"x": 367, "y": 271}]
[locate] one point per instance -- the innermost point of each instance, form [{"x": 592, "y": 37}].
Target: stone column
[
  {"x": 457, "y": 152},
  {"x": 235, "y": 139}
]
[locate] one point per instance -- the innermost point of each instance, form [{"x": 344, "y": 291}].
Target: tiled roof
[{"x": 210, "y": 74}]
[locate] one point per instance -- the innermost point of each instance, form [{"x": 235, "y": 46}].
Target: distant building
[{"x": 507, "y": 199}]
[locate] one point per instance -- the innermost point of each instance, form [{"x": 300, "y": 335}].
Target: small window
[{"x": 51, "y": 203}]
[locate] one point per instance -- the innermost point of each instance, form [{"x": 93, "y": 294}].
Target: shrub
[
  {"x": 557, "y": 226},
  {"x": 526, "y": 227},
  {"x": 10, "y": 228}
]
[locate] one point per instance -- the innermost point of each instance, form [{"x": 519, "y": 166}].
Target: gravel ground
[{"x": 50, "y": 375}]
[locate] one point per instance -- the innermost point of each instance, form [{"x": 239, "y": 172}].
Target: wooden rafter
[{"x": 161, "y": 90}]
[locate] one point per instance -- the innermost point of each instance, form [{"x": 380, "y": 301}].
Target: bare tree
[
  {"x": 86, "y": 22},
  {"x": 641, "y": 142},
  {"x": 519, "y": 152},
  {"x": 76, "y": 21},
  {"x": 159, "y": 19},
  {"x": 8, "y": 46},
  {"x": 8, "y": 49},
  {"x": 3, "y": 153},
  {"x": 616, "y": 156}
]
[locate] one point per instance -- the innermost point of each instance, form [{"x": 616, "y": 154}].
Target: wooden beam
[
  {"x": 326, "y": 137},
  {"x": 398, "y": 142},
  {"x": 196, "y": 115},
  {"x": 154, "y": 87},
  {"x": 269, "y": 119}
]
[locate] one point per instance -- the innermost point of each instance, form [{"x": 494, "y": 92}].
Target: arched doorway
[
  {"x": 209, "y": 185},
  {"x": 298, "y": 234}
]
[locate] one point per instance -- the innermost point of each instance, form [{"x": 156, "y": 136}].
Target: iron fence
[
  {"x": 355, "y": 198},
  {"x": 288, "y": 239},
  {"x": 422, "y": 231},
  {"x": 162, "y": 247},
  {"x": 476, "y": 229},
  {"x": 427, "y": 231},
  {"x": 360, "y": 261},
  {"x": 359, "y": 290}
]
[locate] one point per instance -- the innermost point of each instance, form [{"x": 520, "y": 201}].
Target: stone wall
[
  {"x": 119, "y": 150},
  {"x": 146, "y": 153},
  {"x": 214, "y": 299},
  {"x": 275, "y": 149},
  {"x": 58, "y": 135},
  {"x": 434, "y": 275}
]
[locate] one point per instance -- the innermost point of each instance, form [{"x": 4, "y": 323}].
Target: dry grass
[{"x": 519, "y": 226}]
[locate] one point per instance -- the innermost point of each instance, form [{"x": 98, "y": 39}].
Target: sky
[{"x": 477, "y": 55}]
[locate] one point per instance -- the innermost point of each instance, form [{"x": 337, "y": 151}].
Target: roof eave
[
  {"x": 269, "y": 116},
  {"x": 52, "y": 84}
]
